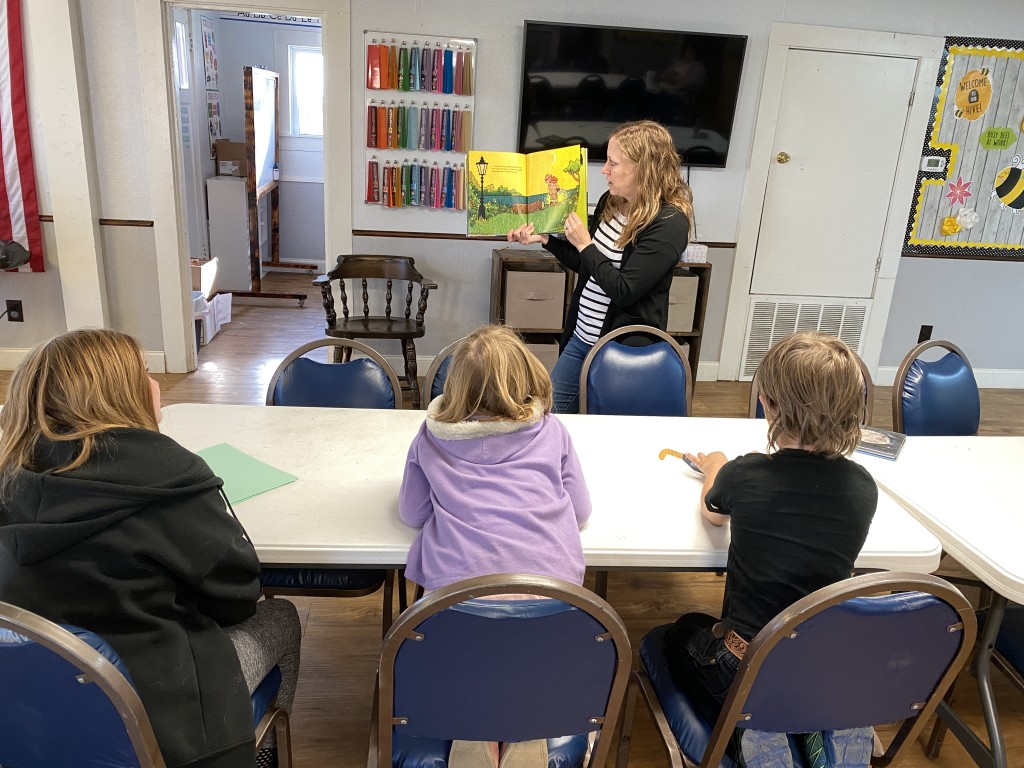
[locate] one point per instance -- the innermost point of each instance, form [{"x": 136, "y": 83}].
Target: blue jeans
[
  {"x": 565, "y": 377},
  {"x": 701, "y": 664}
]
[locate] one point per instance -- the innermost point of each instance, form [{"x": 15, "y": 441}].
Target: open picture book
[{"x": 506, "y": 190}]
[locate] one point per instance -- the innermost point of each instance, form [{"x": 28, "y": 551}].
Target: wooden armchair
[{"x": 363, "y": 325}]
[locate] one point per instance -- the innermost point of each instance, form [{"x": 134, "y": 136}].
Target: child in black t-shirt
[{"x": 798, "y": 518}]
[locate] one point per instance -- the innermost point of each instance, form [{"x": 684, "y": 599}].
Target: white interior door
[{"x": 839, "y": 131}]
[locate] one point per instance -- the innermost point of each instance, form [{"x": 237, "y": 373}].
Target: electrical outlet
[{"x": 14, "y": 313}]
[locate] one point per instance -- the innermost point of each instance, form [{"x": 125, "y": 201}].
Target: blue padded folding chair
[
  {"x": 651, "y": 380},
  {"x": 756, "y": 411},
  {"x": 367, "y": 382},
  {"x": 843, "y": 657},
  {"x": 437, "y": 373},
  {"x": 938, "y": 397},
  {"x": 69, "y": 701},
  {"x": 459, "y": 666}
]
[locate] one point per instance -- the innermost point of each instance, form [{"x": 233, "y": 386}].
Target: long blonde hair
[
  {"x": 73, "y": 388},
  {"x": 814, "y": 391},
  {"x": 493, "y": 374},
  {"x": 658, "y": 178}
]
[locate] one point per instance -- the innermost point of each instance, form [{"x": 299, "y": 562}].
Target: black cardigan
[{"x": 639, "y": 288}]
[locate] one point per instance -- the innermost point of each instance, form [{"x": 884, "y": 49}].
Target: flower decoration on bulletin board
[
  {"x": 971, "y": 156},
  {"x": 959, "y": 191}
]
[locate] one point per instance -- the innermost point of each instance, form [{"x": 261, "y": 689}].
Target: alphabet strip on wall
[
  {"x": 969, "y": 199},
  {"x": 419, "y": 120}
]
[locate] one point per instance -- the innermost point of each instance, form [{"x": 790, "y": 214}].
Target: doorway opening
[{"x": 231, "y": 237}]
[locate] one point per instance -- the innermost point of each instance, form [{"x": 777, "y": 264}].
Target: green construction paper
[{"x": 243, "y": 475}]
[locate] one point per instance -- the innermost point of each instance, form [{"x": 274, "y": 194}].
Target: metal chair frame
[
  {"x": 625, "y": 331},
  {"x": 405, "y": 629},
  {"x": 97, "y": 669},
  {"x": 388, "y": 584},
  {"x": 901, "y": 374},
  {"x": 338, "y": 345},
  {"x": 786, "y": 624},
  {"x": 435, "y": 366}
]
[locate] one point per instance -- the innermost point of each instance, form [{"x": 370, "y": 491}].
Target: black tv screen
[{"x": 581, "y": 82}]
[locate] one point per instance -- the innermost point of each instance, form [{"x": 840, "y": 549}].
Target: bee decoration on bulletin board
[{"x": 1009, "y": 186}]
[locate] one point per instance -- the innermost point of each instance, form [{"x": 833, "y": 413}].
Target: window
[
  {"x": 306, "y": 90},
  {"x": 181, "y": 56}
]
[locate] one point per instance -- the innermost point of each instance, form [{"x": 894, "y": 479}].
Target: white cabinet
[{"x": 228, "y": 210}]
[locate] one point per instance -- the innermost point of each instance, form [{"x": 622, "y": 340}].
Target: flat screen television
[{"x": 581, "y": 82}]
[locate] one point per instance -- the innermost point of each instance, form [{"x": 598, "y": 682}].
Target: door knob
[{"x": 782, "y": 157}]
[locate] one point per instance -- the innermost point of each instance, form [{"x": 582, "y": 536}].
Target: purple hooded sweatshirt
[{"x": 493, "y": 497}]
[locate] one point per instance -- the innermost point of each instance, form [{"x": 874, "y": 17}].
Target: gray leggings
[{"x": 269, "y": 638}]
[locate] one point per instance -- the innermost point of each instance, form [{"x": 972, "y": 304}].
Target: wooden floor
[{"x": 341, "y": 637}]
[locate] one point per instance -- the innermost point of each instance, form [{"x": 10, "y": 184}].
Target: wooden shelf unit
[{"x": 511, "y": 261}]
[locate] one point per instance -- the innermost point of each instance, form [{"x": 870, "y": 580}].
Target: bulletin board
[{"x": 969, "y": 199}]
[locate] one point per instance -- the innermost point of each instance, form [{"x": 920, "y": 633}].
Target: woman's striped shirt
[{"x": 594, "y": 301}]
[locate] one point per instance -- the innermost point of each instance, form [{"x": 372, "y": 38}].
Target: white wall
[
  {"x": 717, "y": 192},
  {"x": 119, "y": 56}
]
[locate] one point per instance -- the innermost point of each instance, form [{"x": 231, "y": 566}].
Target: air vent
[{"x": 772, "y": 318}]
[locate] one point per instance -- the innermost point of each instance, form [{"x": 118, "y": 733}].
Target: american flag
[{"x": 19, "y": 210}]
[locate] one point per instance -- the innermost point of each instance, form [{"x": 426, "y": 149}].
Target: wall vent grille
[{"x": 772, "y": 318}]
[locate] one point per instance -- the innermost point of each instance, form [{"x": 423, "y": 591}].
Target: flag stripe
[{"x": 19, "y": 209}]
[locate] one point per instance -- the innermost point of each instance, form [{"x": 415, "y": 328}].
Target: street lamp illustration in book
[{"x": 506, "y": 190}]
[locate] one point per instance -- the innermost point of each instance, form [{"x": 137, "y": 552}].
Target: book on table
[
  {"x": 885, "y": 443},
  {"x": 541, "y": 188}
]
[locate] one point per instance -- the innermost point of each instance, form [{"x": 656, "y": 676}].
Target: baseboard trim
[
  {"x": 11, "y": 356},
  {"x": 707, "y": 370},
  {"x": 987, "y": 378}
]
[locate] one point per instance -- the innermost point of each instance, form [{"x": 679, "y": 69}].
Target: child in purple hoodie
[{"x": 495, "y": 486}]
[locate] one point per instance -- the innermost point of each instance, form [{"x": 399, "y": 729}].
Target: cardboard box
[
  {"x": 209, "y": 327},
  {"x": 535, "y": 300},
  {"x": 682, "y": 303},
  {"x": 546, "y": 353},
  {"x": 231, "y": 160},
  {"x": 204, "y": 276},
  {"x": 222, "y": 308}
]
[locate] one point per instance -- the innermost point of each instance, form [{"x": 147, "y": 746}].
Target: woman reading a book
[
  {"x": 638, "y": 233},
  {"x": 111, "y": 526}
]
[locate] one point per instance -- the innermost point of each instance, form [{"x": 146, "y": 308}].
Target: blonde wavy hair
[
  {"x": 493, "y": 374},
  {"x": 813, "y": 392},
  {"x": 73, "y": 388},
  {"x": 658, "y": 178}
]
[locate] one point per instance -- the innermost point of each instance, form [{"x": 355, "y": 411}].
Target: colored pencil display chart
[{"x": 419, "y": 120}]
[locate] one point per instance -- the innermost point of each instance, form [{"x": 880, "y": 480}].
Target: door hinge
[
  {"x": 878, "y": 264},
  {"x": 911, "y": 102}
]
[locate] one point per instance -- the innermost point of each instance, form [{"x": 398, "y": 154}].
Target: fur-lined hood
[{"x": 474, "y": 428}]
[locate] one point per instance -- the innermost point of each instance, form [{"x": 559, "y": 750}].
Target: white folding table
[
  {"x": 969, "y": 492},
  {"x": 343, "y": 509}
]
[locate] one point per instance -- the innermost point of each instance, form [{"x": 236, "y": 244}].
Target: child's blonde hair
[
  {"x": 814, "y": 393},
  {"x": 72, "y": 388},
  {"x": 493, "y": 373}
]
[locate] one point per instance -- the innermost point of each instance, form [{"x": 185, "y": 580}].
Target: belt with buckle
[{"x": 735, "y": 644}]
